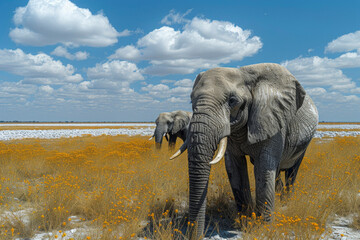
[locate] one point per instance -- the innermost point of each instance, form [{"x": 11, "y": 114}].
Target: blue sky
[{"x": 89, "y": 60}]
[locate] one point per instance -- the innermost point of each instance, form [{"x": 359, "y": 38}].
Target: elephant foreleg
[
  {"x": 236, "y": 168},
  {"x": 265, "y": 169}
]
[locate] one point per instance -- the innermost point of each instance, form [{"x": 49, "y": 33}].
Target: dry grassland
[
  {"x": 338, "y": 130},
  {"x": 123, "y": 188}
]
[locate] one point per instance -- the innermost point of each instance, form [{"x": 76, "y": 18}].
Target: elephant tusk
[
  {"x": 180, "y": 151},
  {"x": 221, "y": 152},
  {"x": 166, "y": 136},
  {"x": 151, "y": 137}
]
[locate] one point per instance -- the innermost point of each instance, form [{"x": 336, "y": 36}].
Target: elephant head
[
  {"x": 250, "y": 104},
  {"x": 171, "y": 125}
]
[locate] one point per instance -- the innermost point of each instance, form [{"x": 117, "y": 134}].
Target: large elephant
[
  {"x": 258, "y": 110},
  {"x": 171, "y": 125}
]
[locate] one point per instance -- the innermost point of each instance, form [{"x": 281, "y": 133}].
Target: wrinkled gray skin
[
  {"x": 265, "y": 113},
  {"x": 172, "y": 125}
]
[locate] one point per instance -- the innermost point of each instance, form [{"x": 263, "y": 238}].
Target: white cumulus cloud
[
  {"x": 63, "y": 52},
  {"x": 324, "y": 72},
  {"x": 317, "y": 91},
  {"x": 115, "y": 70},
  {"x": 46, "y": 89},
  {"x": 180, "y": 91},
  {"x": 113, "y": 75},
  {"x": 47, "y": 22},
  {"x": 16, "y": 90},
  {"x": 345, "y": 43},
  {"x": 37, "y": 69},
  {"x": 202, "y": 43},
  {"x": 324, "y": 77},
  {"x": 184, "y": 83},
  {"x": 158, "y": 87},
  {"x": 174, "y": 17}
]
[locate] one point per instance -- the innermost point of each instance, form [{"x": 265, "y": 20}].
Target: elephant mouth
[
  {"x": 233, "y": 122},
  {"x": 235, "y": 119}
]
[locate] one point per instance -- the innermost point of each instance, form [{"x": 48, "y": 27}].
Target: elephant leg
[
  {"x": 291, "y": 173},
  {"x": 172, "y": 140},
  {"x": 236, "y": 168},
  {"x": 279, "y": 186},
  {"x": 265, "y": 174}
]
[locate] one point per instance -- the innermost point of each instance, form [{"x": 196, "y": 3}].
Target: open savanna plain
[{"x": 122, "y": 187}]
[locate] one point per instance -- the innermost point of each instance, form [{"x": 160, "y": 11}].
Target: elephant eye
[{"x": 233, "y": 101}]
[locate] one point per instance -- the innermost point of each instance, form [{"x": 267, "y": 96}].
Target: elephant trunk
[
  {"x": 159, "y": 134},
  {"x": 203, "y": 139}
]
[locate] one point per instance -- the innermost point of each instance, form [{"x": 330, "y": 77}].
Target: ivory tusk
[
  {"x": 221, "y": 152},
  {"x": 180, "y": 151},
  {"x": 151, "y": 137}
]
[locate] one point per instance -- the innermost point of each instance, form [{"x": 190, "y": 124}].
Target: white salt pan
[{"x": 146, "y": 129}]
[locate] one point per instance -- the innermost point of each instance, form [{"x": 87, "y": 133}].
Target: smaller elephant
[{"x": 171, "y": 125}]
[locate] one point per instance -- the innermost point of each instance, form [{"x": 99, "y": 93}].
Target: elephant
[
  {"x": 171, "y": 125},
  {"x": 258, "y": 110}
]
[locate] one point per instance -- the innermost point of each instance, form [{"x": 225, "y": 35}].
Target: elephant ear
[
  {"x": 277, "y": 96},
  {"x": 197, "y": 79},
  {"x": 181, "y": 120}
]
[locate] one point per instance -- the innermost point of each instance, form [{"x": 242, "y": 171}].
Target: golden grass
[
  {"x": 328, "y": 183},
  {"x": 338, "y": 130},
  {"x": 121, "y": 187}
]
